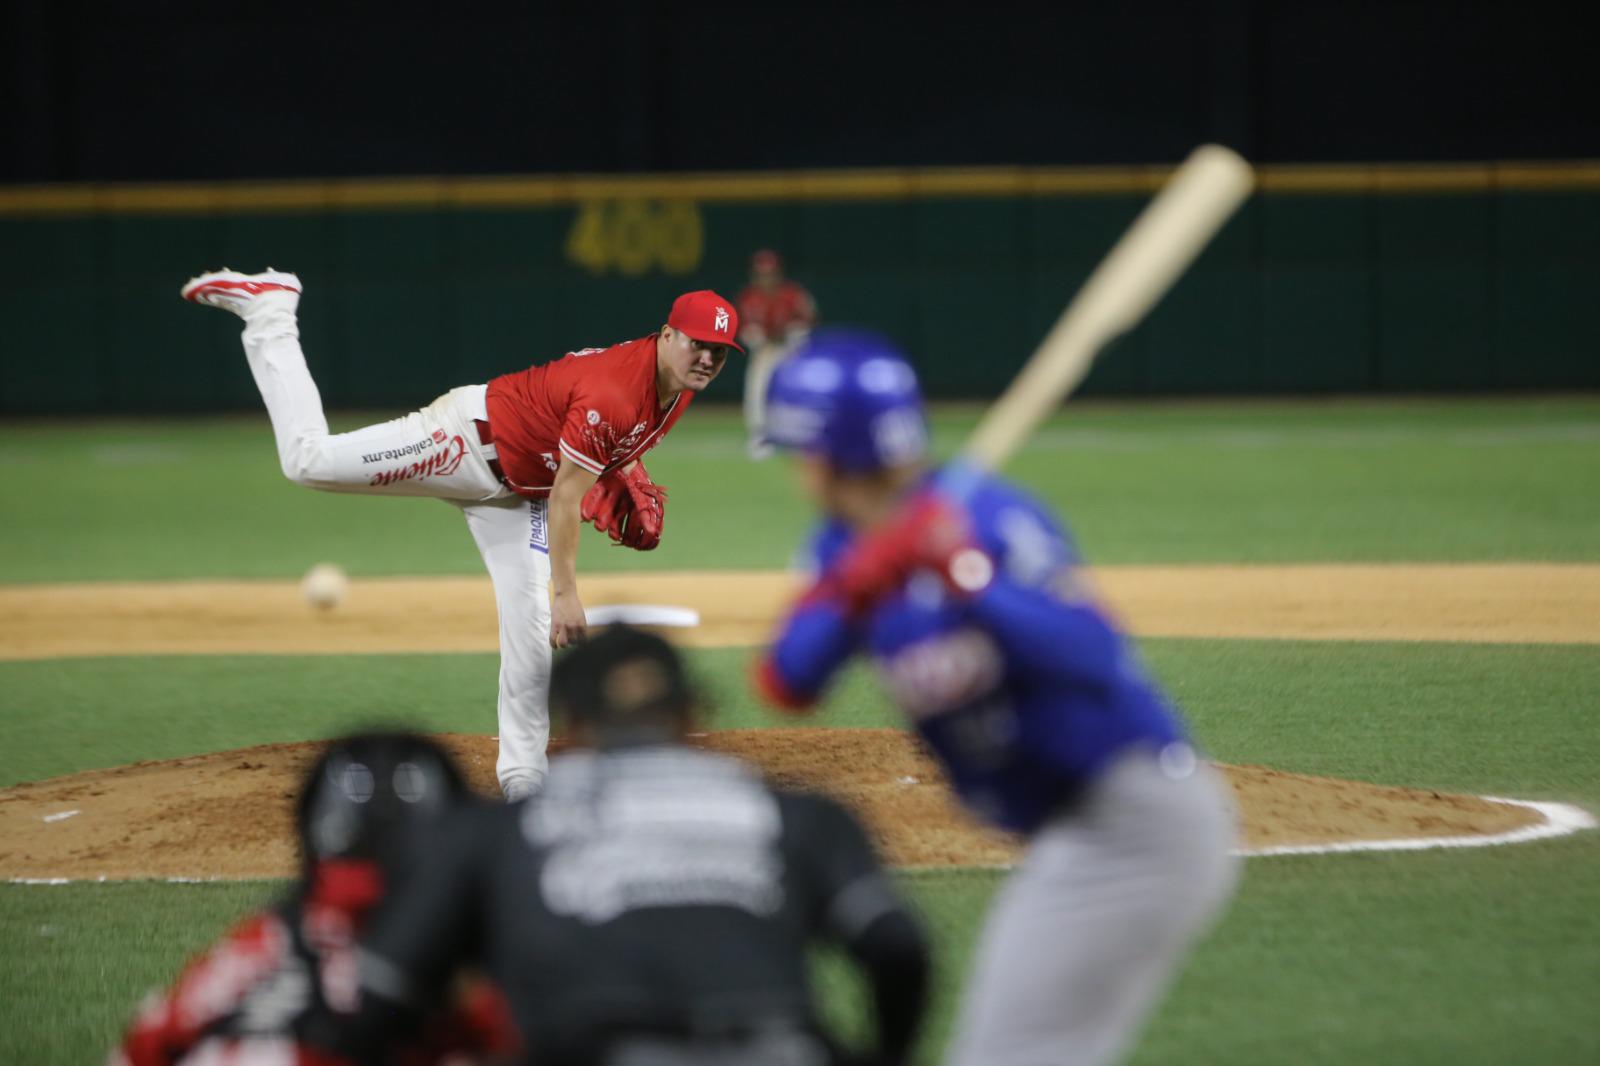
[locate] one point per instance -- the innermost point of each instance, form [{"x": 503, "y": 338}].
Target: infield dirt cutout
[
  {"x": 227, "y": 815},
  {"x": 1496, "y": 603},
  {"x": 230, "y": 814}
]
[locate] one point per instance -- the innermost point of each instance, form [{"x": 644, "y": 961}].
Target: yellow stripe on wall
[{"x": 185, "y": 198}]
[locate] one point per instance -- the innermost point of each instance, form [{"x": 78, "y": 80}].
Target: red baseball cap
[{"x": 707, "y": 317}]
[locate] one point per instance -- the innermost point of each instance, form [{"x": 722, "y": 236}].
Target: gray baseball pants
[{"x": 1086, "y": 934}]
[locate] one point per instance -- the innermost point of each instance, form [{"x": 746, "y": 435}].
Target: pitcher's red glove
[
  {"x": 649, "y": 510},
  {"x": 627, "y": 507},
  {"x": 926, "y": 533},
  {"x": 606, "y": 506}
]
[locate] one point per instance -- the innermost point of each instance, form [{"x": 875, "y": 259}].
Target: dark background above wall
[{"x": 163, "y": 90}]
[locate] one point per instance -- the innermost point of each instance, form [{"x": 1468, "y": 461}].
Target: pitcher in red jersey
[{"x": 527, "y": 458}]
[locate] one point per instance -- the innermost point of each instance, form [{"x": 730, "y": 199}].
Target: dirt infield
[
  {"x": 1494, "y": 603},
  {"x": 228, "y": 815}
]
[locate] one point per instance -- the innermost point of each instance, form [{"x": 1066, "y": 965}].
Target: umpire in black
[{"x": 654, "y": 904}]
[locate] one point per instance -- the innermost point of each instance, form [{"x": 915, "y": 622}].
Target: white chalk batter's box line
[{"x": 1560, "y": 819}]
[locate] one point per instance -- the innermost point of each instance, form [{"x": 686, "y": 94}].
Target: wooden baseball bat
[{"x": 1169, "y": 233}]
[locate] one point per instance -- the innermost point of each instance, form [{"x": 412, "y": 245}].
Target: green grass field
[
  {"x": 1183, "y": 482},
  {"x": 1480, "y": 956}
]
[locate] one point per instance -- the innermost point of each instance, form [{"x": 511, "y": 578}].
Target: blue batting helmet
[{"x": 848, "y": 396}]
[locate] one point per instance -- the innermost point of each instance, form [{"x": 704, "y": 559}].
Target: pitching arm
[{"x": 567, "y": 622}]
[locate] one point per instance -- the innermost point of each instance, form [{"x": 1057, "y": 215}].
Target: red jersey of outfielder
[
  {"x": 770, "y": 315},
  {"x": 596, "y": 407}
]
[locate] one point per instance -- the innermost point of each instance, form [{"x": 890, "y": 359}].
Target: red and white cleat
[{"x": 236, "y": 292}]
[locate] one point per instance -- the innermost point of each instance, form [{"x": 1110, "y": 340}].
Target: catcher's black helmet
[
  {"x": 626, "y": 686},
  {"x": 363, "y": 788}
]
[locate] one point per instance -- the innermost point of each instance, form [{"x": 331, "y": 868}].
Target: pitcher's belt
[{"x": 486, "y": 439}]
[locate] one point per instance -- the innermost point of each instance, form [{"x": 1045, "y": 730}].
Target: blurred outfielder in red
[{"x": 776, "y": 314}]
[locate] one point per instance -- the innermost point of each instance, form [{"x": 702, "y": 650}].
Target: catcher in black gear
[{"x": 654, "y": 905}]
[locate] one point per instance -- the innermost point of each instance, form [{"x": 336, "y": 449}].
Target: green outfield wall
[{"x": 1350, "y": 279}]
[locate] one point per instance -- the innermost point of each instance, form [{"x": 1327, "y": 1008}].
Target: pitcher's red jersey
[{"x": 596, "y": 407}]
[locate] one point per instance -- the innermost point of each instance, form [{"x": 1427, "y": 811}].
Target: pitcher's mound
[{"x": 229, "y": 814}]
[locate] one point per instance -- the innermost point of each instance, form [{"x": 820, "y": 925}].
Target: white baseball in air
[{"x": 324, "y": 586}]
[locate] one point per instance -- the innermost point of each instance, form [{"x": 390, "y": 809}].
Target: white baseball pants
[
  {"x": 759, "y": 367},
  {"x": 1085, "y": 935},
  {"x": 433, "y": 452}
]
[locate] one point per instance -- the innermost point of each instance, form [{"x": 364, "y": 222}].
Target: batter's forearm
[{"x": 815, "y": 641}]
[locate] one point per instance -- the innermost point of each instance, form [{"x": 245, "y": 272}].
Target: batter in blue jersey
[{"x": 964, "y": 591}]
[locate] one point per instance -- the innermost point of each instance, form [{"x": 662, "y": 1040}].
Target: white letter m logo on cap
[{"x": 721, "y": 322}]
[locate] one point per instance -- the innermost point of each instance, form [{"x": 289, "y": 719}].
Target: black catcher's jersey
[{"x": 659, "y": 889}]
